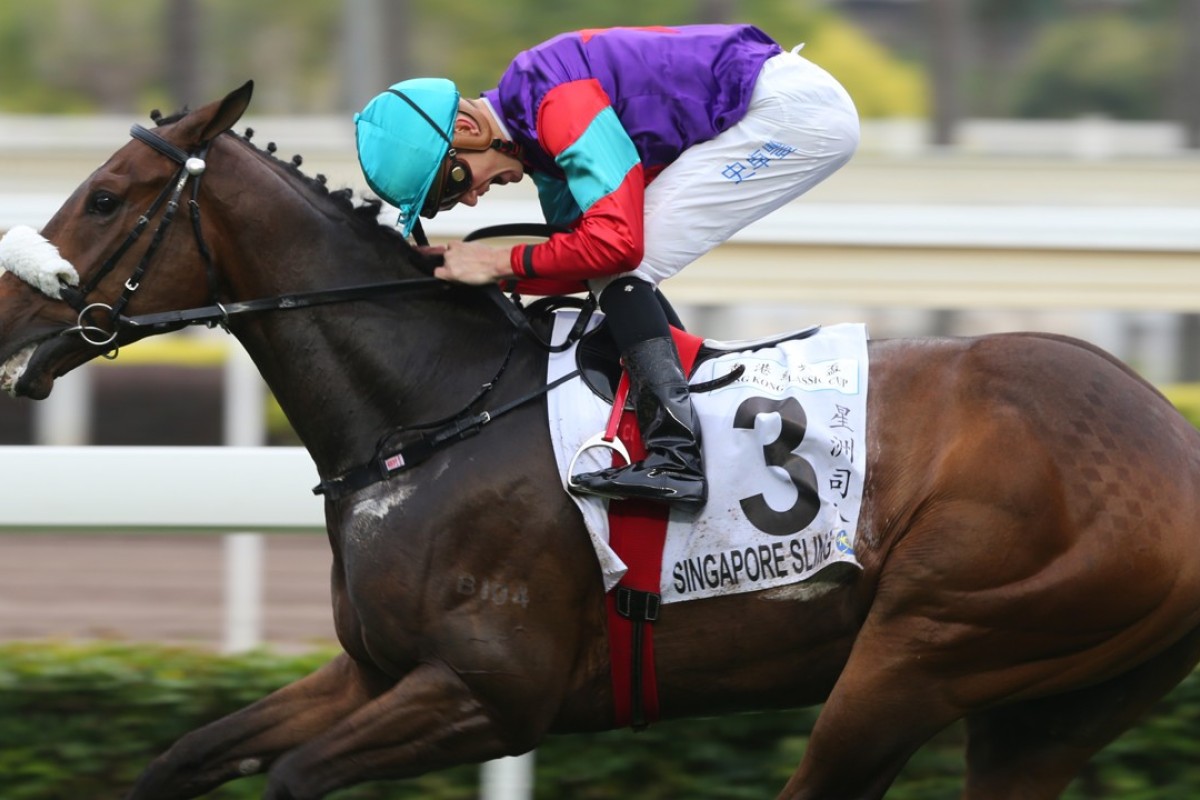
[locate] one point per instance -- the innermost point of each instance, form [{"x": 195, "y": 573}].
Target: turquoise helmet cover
[{"x": 402, "y": 136}]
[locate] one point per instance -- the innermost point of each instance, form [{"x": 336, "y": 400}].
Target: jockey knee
[{"x": 846, "y": 135}]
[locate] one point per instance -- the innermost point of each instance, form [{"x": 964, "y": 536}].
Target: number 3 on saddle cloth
[{"x": 785, "y": 453}]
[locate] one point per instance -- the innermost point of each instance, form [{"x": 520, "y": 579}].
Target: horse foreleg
[
  {"x": 429, "y": 721},
  {"x": 248, "y": 740}
]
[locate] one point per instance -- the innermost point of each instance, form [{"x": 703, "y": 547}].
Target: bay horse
[{"x": 1029, "y": 537}]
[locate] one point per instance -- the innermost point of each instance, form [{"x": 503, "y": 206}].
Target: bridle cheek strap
[{"x": 194, "y": 165}]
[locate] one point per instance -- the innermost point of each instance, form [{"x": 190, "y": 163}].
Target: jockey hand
[{"x": 471, "y": 262}]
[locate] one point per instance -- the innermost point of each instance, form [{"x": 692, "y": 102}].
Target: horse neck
[{"x": 345, "y": 374}]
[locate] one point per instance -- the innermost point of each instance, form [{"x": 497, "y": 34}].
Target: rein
[
  {"x": 218, "y": 313},
  {"x": 511, "y": 306},
  {"x": 397, "y": 449},
  {"x": 404, "y": 448}
]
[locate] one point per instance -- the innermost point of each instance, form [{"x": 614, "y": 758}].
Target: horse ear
[
  {"x": 229, "y": 112},
  {"x": 205, "y": 124}
]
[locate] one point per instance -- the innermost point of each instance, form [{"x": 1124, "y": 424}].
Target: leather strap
[
  {"x": 637, "y": 534},
  {"x": 405, "y": 449},
  {"x": 221, "y": 312}
]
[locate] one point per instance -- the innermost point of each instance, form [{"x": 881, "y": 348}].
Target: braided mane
[{"x": 367, "y": 209}]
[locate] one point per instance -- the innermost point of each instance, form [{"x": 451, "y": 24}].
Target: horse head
[
  {"x": 189, "y": 223},
  {"x": 124, "y": 241}
]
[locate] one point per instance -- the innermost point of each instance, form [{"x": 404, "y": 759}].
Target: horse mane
[
  {"x": 365, "y": 214},
  {"x": 366, "y": 210}
]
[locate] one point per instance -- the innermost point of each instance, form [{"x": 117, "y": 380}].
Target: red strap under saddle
[{"x": 637, "y": 533}]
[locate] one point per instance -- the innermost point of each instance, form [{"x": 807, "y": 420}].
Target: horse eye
[{"x": 103, "y": 202}]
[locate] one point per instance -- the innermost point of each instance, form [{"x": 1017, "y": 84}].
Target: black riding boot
[{"x": 672, "y": 470}]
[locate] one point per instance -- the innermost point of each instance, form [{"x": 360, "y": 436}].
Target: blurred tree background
[{"x": 1127, "y": 59}]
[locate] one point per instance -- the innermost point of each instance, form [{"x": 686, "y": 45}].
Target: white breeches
[{"x": 801, "y": 126}]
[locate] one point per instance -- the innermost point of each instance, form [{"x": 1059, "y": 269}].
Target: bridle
[
  {"x": 193, "y": 165},
  {"x": 190, "y": 165},
  {"x": 396, "y": 450}
]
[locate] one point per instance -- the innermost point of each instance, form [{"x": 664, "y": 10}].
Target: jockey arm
[{"x": 603, "y": 195}]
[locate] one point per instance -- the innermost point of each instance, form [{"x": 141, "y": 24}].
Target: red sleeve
[{"x": 576, "y": 125}]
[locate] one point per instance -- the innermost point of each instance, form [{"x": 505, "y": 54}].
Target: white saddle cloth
[{"x": 785, "y": 454}]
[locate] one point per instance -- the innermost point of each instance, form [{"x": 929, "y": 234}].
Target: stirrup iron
[{"x": 599, "y": 439}]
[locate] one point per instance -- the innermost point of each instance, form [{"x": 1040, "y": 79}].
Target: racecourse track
[{"x": 156, "y": 588}]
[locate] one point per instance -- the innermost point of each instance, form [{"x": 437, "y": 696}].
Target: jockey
[{"x": 653, "y": 145}]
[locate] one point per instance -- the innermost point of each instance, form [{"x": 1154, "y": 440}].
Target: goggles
[{"x": 452, "y": 181}]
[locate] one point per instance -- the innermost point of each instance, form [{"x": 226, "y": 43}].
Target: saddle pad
[{"x": 785, "y": 453}]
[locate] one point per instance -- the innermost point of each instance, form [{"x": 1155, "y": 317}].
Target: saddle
[{"x": 599, "y": 362}]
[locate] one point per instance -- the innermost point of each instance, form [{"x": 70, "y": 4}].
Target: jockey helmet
[{"x": 404, "y": 138}]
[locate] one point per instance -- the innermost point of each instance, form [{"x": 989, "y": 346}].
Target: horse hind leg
[
  {"x": 869, "y": 726},
  {"x": 1034, "y": 749},
  {"x": 249, "y": 740}
]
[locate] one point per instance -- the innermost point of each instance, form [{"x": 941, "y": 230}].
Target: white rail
[{"x": 214, "y": 489}]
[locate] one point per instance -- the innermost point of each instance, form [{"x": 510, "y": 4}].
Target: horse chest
[
  {"x": 371, "y": 514},
  {"x": 388, "y": 536}
]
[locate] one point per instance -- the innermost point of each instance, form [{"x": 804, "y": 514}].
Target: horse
[{"x": 1029, "y": 545}]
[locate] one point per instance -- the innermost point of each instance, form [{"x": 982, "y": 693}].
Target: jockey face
[
  {"x": 479, "y": 161},
  {"x": 484, "y": 169}
]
